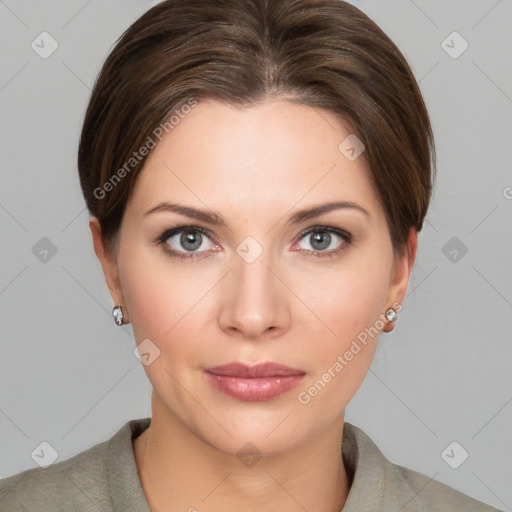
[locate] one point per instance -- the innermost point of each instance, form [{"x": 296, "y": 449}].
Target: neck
[{"x": 180, "y": 471}]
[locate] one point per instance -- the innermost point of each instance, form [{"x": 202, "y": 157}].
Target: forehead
[{"x": 276, "y": 153}]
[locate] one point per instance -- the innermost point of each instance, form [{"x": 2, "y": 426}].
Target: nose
[{"x": 255, "y": 302}]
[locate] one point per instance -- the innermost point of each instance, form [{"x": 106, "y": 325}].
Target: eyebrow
[{"x": 216, "y": 219}]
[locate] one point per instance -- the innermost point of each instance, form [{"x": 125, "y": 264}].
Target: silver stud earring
[
  {"x": 391, "y": 315},
  {"x": 117, "y": 313}
]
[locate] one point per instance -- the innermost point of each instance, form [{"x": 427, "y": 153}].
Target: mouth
[{"x": 260, "y": 382}]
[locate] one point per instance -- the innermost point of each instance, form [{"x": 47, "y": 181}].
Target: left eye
[{"x": 321, "y": 239}]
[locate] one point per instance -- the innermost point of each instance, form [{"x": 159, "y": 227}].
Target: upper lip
[{"x": 236, "y": 369}]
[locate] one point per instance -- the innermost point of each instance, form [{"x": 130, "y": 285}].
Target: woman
[{"x": 257, "y": 174}]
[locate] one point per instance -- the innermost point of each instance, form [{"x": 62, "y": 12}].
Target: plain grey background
[{"x": 68, "y": 374}]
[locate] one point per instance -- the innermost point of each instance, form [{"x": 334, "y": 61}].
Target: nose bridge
[{"x": 255, "y": 302}]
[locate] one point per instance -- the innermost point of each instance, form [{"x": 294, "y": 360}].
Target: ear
[
  {"x": 402, "y": 268},
  {"x": 108, "y": 262}
]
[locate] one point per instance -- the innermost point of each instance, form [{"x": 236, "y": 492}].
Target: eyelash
[{"x": 168, "y": 233}]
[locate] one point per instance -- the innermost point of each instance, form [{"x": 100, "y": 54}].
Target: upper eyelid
[
  {"x": 168, "y": 233},
  {"x": 330, "y": 229}
]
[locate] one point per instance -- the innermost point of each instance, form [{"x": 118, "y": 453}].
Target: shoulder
[
  {"x": 80, "y": 480},
  {"x": 84, "y": 482},
  {"x": 379, "y": 484},
  {"x": 436, "y": 496}
]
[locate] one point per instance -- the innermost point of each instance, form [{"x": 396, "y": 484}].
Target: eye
[
  {"x": 325, "y": 240},
  {"x": 186, "y": 241}
]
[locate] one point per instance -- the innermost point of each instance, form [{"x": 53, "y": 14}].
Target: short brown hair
[{"x": 321, "y": 53}]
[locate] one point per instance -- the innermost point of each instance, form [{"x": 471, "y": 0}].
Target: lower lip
[{"x": 254, "y": 390}]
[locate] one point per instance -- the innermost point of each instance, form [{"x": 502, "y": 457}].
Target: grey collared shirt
[{"x": 105, "y": 478}]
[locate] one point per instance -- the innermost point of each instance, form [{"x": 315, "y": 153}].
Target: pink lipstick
[{"x": 260, "y": 382}]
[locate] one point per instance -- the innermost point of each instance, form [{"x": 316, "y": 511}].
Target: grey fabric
[{"x": 105, "y": 478}]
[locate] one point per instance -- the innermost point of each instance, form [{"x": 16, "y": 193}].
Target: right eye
[{"x": 185, "y": 242}]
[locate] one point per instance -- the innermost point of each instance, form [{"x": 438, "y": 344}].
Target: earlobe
[{"x": 109, "y": 266}]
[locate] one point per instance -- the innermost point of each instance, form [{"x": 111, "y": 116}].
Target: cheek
[
  {"x": 164, "y": 300},
  {"x": 164, "y": 305},
  {"x": 349, "y": 299},
  {"x": 148, "y": 290},
  {"x": 350, "y": 303}
]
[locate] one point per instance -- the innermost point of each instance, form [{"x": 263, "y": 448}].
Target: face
[{"x": 247, "y": 276}]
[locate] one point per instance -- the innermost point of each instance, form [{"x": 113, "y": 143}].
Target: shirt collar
[
  {"x": 125, "y": 486},
  {"x": 377, "y": 483}
]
